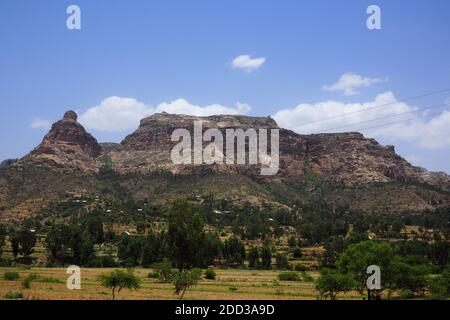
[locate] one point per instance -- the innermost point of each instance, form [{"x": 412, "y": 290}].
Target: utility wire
[
  {"x": 386, "y": 117},
  {"x": 401, "y": 121},
  {"x": 371, "y": 108}
]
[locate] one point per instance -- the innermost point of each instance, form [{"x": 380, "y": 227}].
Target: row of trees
[
  {"x": 22, "y": 242},
  {"x": 407, "y": 274}
]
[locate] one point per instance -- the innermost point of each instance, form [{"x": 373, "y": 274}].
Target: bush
[
  {"x": 300, "y": 267},
  {"x": 298, "y": 253},
  {"x": 12, "y": 295},
  {"x": 282, "y": 261},
  {"x": 210, "y": 274},
  {"x": 26, "y": 283},
  {"x": 104, "y": 262},
  {"x": 50, "y": 280},
  {"x": 289, "y": 276},
  {"x": 306, "y": 277},
  {"x": 163, "y": 271},
  {"x": 11, "y": 276},
  {"x": 183, "y": 280},
  {"x": 6, "y": 262},
  {"x": 331, "y": 282},
  {"x": 407, "y": 294}
]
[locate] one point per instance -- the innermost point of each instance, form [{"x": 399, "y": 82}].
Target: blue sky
[{"x": 164, "y": 55}]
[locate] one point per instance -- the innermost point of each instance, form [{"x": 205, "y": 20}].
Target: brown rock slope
[
  {"x": 66, "y": 147},
  {"x": 344, "y": 169}
]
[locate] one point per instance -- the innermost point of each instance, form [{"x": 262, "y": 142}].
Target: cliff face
[
  {"x": 67, "y": 146},
  {"x": 352, "y": 158},
  {"x": 344, "y": 168},
  {"x": 149, "y": 148},
  {"x": 348, "y": 157}
]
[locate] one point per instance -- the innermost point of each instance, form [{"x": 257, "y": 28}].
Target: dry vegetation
[{"x": 229, "y": 285}]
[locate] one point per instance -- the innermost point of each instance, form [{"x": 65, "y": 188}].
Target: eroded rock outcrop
[{"x": 67, "y": 146}]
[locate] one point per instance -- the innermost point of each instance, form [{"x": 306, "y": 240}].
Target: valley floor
[{"x": 229, "y": 285}]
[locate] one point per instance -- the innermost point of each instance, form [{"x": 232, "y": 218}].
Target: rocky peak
[
  {"x": 70, "y": 115},
  {"x": 67, "y": 146}
]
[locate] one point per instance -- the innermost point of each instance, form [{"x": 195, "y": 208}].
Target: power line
[
  {"x": 371, "y": 108},
  {"x": 386, "y": 117},
  {"x": 401, "y": 121}
]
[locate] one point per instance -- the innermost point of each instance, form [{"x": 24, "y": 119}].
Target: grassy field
[{"x": 229, "y": 285}]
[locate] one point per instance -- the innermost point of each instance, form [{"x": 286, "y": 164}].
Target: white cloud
[
  {"x": 39, "y": 123},
  {"x": 247, "y": 63},
  {"x": 116, "y": 114},
  {"x": 349, "y": 82},
  {"x": 182, "y": 106},
  {"x": 429, "y": 133}
]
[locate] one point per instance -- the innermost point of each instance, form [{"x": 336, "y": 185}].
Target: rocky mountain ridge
[{"x": 342, "y": 168}]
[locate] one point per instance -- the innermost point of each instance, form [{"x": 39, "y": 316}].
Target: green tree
[
  {"x": 87, "y": 254},
  {"x": 266, "y": 257},
  {"x": 118, "y": 280},
  {"x": 297, "y": 253},
  {"x": 358, "y": 257},
  {"x": 439, "y": 286},
  {"x": 282, "y": 261},
  {"x": 2, "y": 239},
  {"x": 129, "y": 250},
  {"x": 153, "y": 249},
  {"x": 234, "y": 251},
  {"x": 58, "y": 240},
  {"x": 186, "y": 279},
  {"x": 330, "y": 283},
  {"x": 253, "y": 258},
  {"x": 407, "y": 276},
  {"x": 292, "y": 242},
  {"x": 185, "y": 235},
  {"x": 164, "y": 272},
  {"x": 94, "y": 227},
  {"x": 23, "y": 242},
  {"x": 439, "y": 253}
]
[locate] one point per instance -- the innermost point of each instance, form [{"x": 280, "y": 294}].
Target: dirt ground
[{"x": 229, "y": 285}]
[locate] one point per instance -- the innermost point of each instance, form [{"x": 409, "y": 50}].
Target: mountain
[
  {"x": 7, "y": 163},
  {"x": 343, "y": 169},
  {"x": 67, "y": 146}
]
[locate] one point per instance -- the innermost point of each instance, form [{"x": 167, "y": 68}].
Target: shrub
[
  {"x": 407, "y": 294},
  {"x": 289, "y": 276},
  {"x": 12, "y": 295},
  {"x": 104, "y": 262},
  {"x": 306, "y": 277},
  {"x": 163, "y": 271},
  {"x": 50, "y": 280},
  {"x": 282, "y": 261},
  {"x": 210, "y": 274},
  {"x": 298, "y": 253},
  {"x": 11, "y": 276},
  {"x": 26, "y": 282},
  {"x": 331, "y": 282},
  {"x": 301, "y": 267},
  {"x": 183, "y": 280},
  {"x": 6, "y": 262},
  {"x": 233, "y": 289}
]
